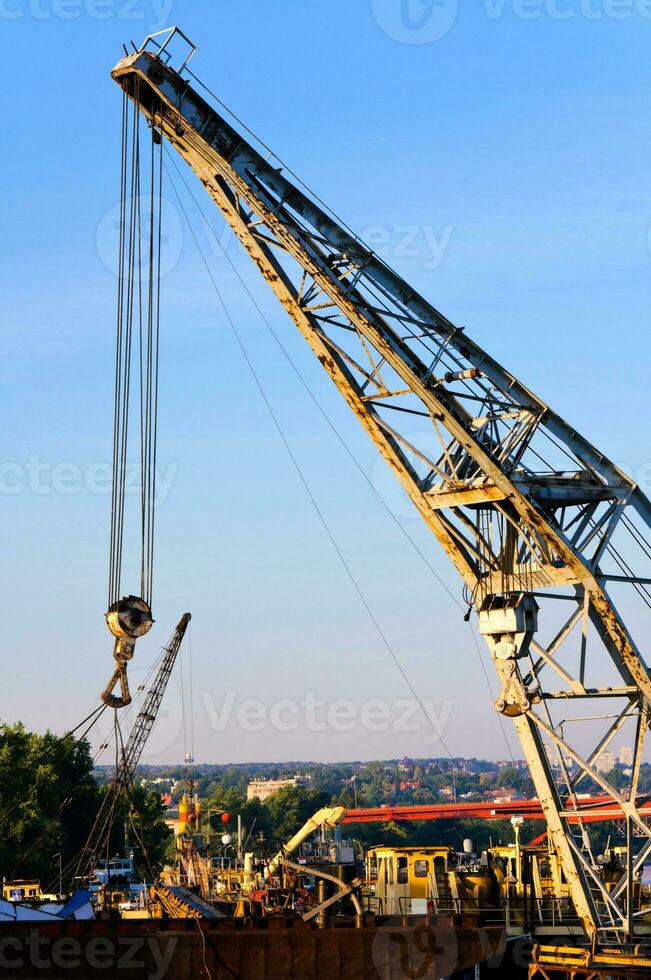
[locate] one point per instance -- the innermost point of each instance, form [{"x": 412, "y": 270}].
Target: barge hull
[{"x": 275, "y": 949}]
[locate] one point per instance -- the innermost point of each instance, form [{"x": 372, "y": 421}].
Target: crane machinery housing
[{"x": 551, "y": 539}]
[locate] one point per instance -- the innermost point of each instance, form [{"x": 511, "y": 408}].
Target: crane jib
[{"x": 543, "y": 528}]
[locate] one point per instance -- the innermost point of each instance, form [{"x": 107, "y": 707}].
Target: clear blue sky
[{"x": 499, "y": 152}]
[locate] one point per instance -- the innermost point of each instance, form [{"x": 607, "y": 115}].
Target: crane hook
[{"x": 127, "y": 619}]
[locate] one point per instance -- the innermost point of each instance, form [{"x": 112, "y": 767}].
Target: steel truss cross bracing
[{"x": 544, "y": 529}]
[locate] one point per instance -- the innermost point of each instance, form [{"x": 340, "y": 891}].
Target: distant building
[
  {"x": 171, "y": 816},
  {"x": 409, "y": 784},
  {"x": 605, "y": 762},
  {"x": 262, "y": 789},
  {"x": 625, "y": 757}
]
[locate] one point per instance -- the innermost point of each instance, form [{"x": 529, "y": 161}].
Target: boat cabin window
[
  {"x": 403, "y": 872},
  {"x": 390, "y": 871},
  {"x": 420, "y": 869}
]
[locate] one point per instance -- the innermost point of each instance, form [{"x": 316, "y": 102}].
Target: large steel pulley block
[{"x": 127, "y": 619}]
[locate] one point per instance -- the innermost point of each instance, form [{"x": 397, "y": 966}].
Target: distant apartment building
[
  {"x": 262, "y": 789},
  {"x": 625, "y": 756},
  {"x": 558, "y": 760},
  {"x": 605, "y": 762}
]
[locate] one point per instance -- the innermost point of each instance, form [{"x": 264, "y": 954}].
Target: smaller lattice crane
[{"x": 131, "y": 754}]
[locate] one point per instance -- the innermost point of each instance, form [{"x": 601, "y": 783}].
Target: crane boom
[
  {"x": 149, "y": 711},
  {"x": 328, "y": 817},
  {"x": 531, "y": 514},
  {"x": 132, "y": 750}
]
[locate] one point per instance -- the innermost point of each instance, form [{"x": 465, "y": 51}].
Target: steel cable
[
  {"x": 306, "y": 485},
  {"x": 138, "y": 305},
  {"x": 338, "y": 436}
]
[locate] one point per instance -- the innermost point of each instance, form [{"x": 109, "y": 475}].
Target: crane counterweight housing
[{"x": 550, "y": 537}]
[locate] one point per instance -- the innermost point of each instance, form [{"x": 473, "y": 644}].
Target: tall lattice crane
[
  {"x": 550, "y": 538},
  {"x": 130, "y": 757}
]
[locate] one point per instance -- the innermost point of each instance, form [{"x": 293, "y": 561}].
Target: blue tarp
[{"x": 78, "y": 906}]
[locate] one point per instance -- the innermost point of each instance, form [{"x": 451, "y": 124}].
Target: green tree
[
  {"x": 618, "y": 779},
  {"x": 256, "y": 818},
  {"x": 48, "y": 799},
  {"x": 227, "y": 798},
  {"x": 290, "y": 807},
  {"x": 141, "y": 813},
  {"x": 48, "y": 803},
  {"x": 510, "y": 778}
]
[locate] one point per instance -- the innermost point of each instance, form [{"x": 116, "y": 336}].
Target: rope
[
  {"x": 203, "y": 950},
  {"x": 191, "y": 692},
  {"x": 342, "y": 442},
  {"x": 305, "y": 483}
]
